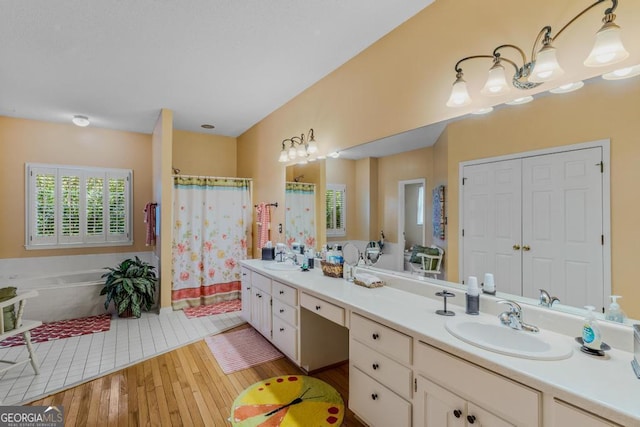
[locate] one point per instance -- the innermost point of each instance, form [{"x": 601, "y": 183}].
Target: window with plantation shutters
[
  {"x": 74, "y": 206},
  {"x": 336, "y": 210}
]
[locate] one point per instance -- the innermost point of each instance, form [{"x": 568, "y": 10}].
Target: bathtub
[{"x": 62, "y": 295}]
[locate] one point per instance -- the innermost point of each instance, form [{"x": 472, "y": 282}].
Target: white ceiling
[{"x": 229, "y": 63}]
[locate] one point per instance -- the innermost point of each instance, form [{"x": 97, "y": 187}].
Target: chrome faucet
[
  {"x": 513, "y": 317},
  {"x": 547, "y": 300}
]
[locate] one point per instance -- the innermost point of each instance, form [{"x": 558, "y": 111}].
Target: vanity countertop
[{"x": 606, "y": 385}]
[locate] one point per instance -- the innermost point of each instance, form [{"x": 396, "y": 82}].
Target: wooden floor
[{"x": 183, "y": 387}]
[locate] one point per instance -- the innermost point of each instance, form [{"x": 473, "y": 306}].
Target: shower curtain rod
[{"x": 210, "y": 176}]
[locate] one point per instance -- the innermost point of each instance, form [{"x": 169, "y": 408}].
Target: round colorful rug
[{"x": 290, "y": 400}]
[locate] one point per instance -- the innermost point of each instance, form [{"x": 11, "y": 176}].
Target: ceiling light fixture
[
  {"x": 521, "y": 100},
  {"x": 569, "y": 87},
  {"x": 623, "y": 73},
  {"x": 298, "y": 147},
  {"x": 543, "y": 65},
  {"x": 207, "y": 126},
  {"x": 485, "y": 110},
  {"x": 82, "y": 121}
]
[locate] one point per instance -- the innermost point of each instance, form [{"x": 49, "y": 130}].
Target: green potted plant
[{"x": 131, "y": 285}]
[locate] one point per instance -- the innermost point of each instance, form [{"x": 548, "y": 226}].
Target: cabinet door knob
[
  {"x": 457, "y": 413},
  {"x": 248, "y": 288},
  {"x": 375, "y": 336},
  {"x": 281, "y": 329},
  {"x": 282, "y": 310},
  {"x": 374, "y": 396},
  {"x": 375, "y": 366},
  {"x": 516, "y": 247},
  {"x": 281, "y": 292},
  {"x": 317, "y": 307},
  {"x": 471, "y": 419},
  {"x": 526, "y": 248}
]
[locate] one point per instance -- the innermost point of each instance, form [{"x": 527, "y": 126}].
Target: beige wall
[
  {"x": 203, "y": 154},
  {"x": 30, "y": 141},
  {"x": 163, "y": 191}
]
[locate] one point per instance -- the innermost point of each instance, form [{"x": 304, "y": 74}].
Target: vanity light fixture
[
  {"x": 334, "y": 154},
  {"x": 298, "y": 147},
  {"x": 623, "y": 73},
  {"x": 569, "y": 87},
  {"x": 543, "y": 65},
  {"x": 82, "y": 121}
]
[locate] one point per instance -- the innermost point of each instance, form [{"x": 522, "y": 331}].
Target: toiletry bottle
[
  {"x": 473, "y": 296},
  {"x": 591, "y": 336},
  {"x": 615, "y": 313}
]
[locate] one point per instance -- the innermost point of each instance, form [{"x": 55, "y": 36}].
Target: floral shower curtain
[
  {"x": 212, "y": 226},
  {"x": 300, "y": 213}
]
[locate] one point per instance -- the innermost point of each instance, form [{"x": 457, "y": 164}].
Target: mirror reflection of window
[{"x": 336, "y": 210}]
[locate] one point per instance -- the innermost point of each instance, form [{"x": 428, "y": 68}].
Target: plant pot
[{"x": 128, "y": 313}]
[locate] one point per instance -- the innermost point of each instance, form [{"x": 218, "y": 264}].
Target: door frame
[
  {"x": 605, "y": 145},
  {"x": 401, "y": 192}
]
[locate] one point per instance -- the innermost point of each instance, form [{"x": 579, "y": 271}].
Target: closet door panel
[{"x": 562, "y": 226}]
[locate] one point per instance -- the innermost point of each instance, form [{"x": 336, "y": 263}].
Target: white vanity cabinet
[
  {"x": 380, "y": 377},
  {"x": 454, "y": 392},
  {"x": 246, "y": 293},
  {"x": 261, "y": 304},
  {"x": 285, "y": 318},
  {"x": 568, "y": 415}
]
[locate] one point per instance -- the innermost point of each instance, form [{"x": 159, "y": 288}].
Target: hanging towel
[
  {"x": 264, "y": 223},
  {"x": 150, "y": 221}
]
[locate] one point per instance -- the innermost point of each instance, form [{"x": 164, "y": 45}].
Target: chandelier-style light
[
  {"x": 299, "y": 147},
  {"x": 543, "y": 66}
]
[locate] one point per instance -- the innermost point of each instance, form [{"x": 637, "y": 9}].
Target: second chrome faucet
[
  {"x": 513, "y": 317},
  {"x": 546, "y": 300}
]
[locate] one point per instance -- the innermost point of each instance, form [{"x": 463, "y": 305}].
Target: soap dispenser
[
  {"x": 615, "y": 313},
  {"x": 591, "y": 337}
]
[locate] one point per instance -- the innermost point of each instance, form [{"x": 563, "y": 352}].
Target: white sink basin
[
  {"x": 488, "y": 333},
  {"x": 281, "y": 266}
]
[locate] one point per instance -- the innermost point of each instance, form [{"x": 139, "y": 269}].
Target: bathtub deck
[{"x": 68, "y": 362}]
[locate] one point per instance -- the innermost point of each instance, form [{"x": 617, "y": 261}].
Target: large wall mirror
[{"x": 601, "y": 110}]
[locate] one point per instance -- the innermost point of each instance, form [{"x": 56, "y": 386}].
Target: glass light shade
[
  {"x": 312, "y": 147},
  {"x": 547, "y": 66},
  {"x": 334, "y": 154},
  {"x": 292, "y": 153},
  {"x": 459, "y": 94},
  {"x": 608, "y": 48},
  {"x": 301, "y": 151},
  {"x": 284, "y": 156},
  {"x": 569, "y": 87},
  {"x": 521, "y": 100},
  {"x": 496, "y": 82},
  {"x": 623, "y": 73},
  {"x": 82, "y": 121}
]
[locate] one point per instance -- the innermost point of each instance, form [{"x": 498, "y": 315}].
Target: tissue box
[{"x": 268, "y": 254}]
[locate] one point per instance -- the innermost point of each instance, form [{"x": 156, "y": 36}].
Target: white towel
[{"x": 368, "y": 280}]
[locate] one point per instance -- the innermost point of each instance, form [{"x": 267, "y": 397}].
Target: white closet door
[
  {"x": 492, "y": 223},
  {"x": 562, "y": 226}
]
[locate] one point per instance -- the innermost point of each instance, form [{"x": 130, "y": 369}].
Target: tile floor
[{"x": 70, "y": 361}]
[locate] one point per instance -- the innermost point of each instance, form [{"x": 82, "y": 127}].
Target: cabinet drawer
[
  {"x": 285, "y": 312},
  {"x": 285, "y": 337},
  {"x": 375, "y": 403},
  {"x": 493, "y": 392},
  {"x": 382, "y": 338},
  {"x": 381, "y": 368},
  {"x": 323, "y": 308},
  {"x": 261, "y": 282},
  {"x": 568, "y": 415},
  {"x": 284, "y": 293}
]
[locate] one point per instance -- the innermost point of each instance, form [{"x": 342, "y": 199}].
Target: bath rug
[
  {"x": 63, "y": 329},
  {"x": 209, "y": 310},
  {"x": 241, "y": 349},
  {"x": 288, "y": 400}
]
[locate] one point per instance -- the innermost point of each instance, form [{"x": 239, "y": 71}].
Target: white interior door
[
  {"x": 562, "y": 230},
  {"x": 491, "y": 218}
]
